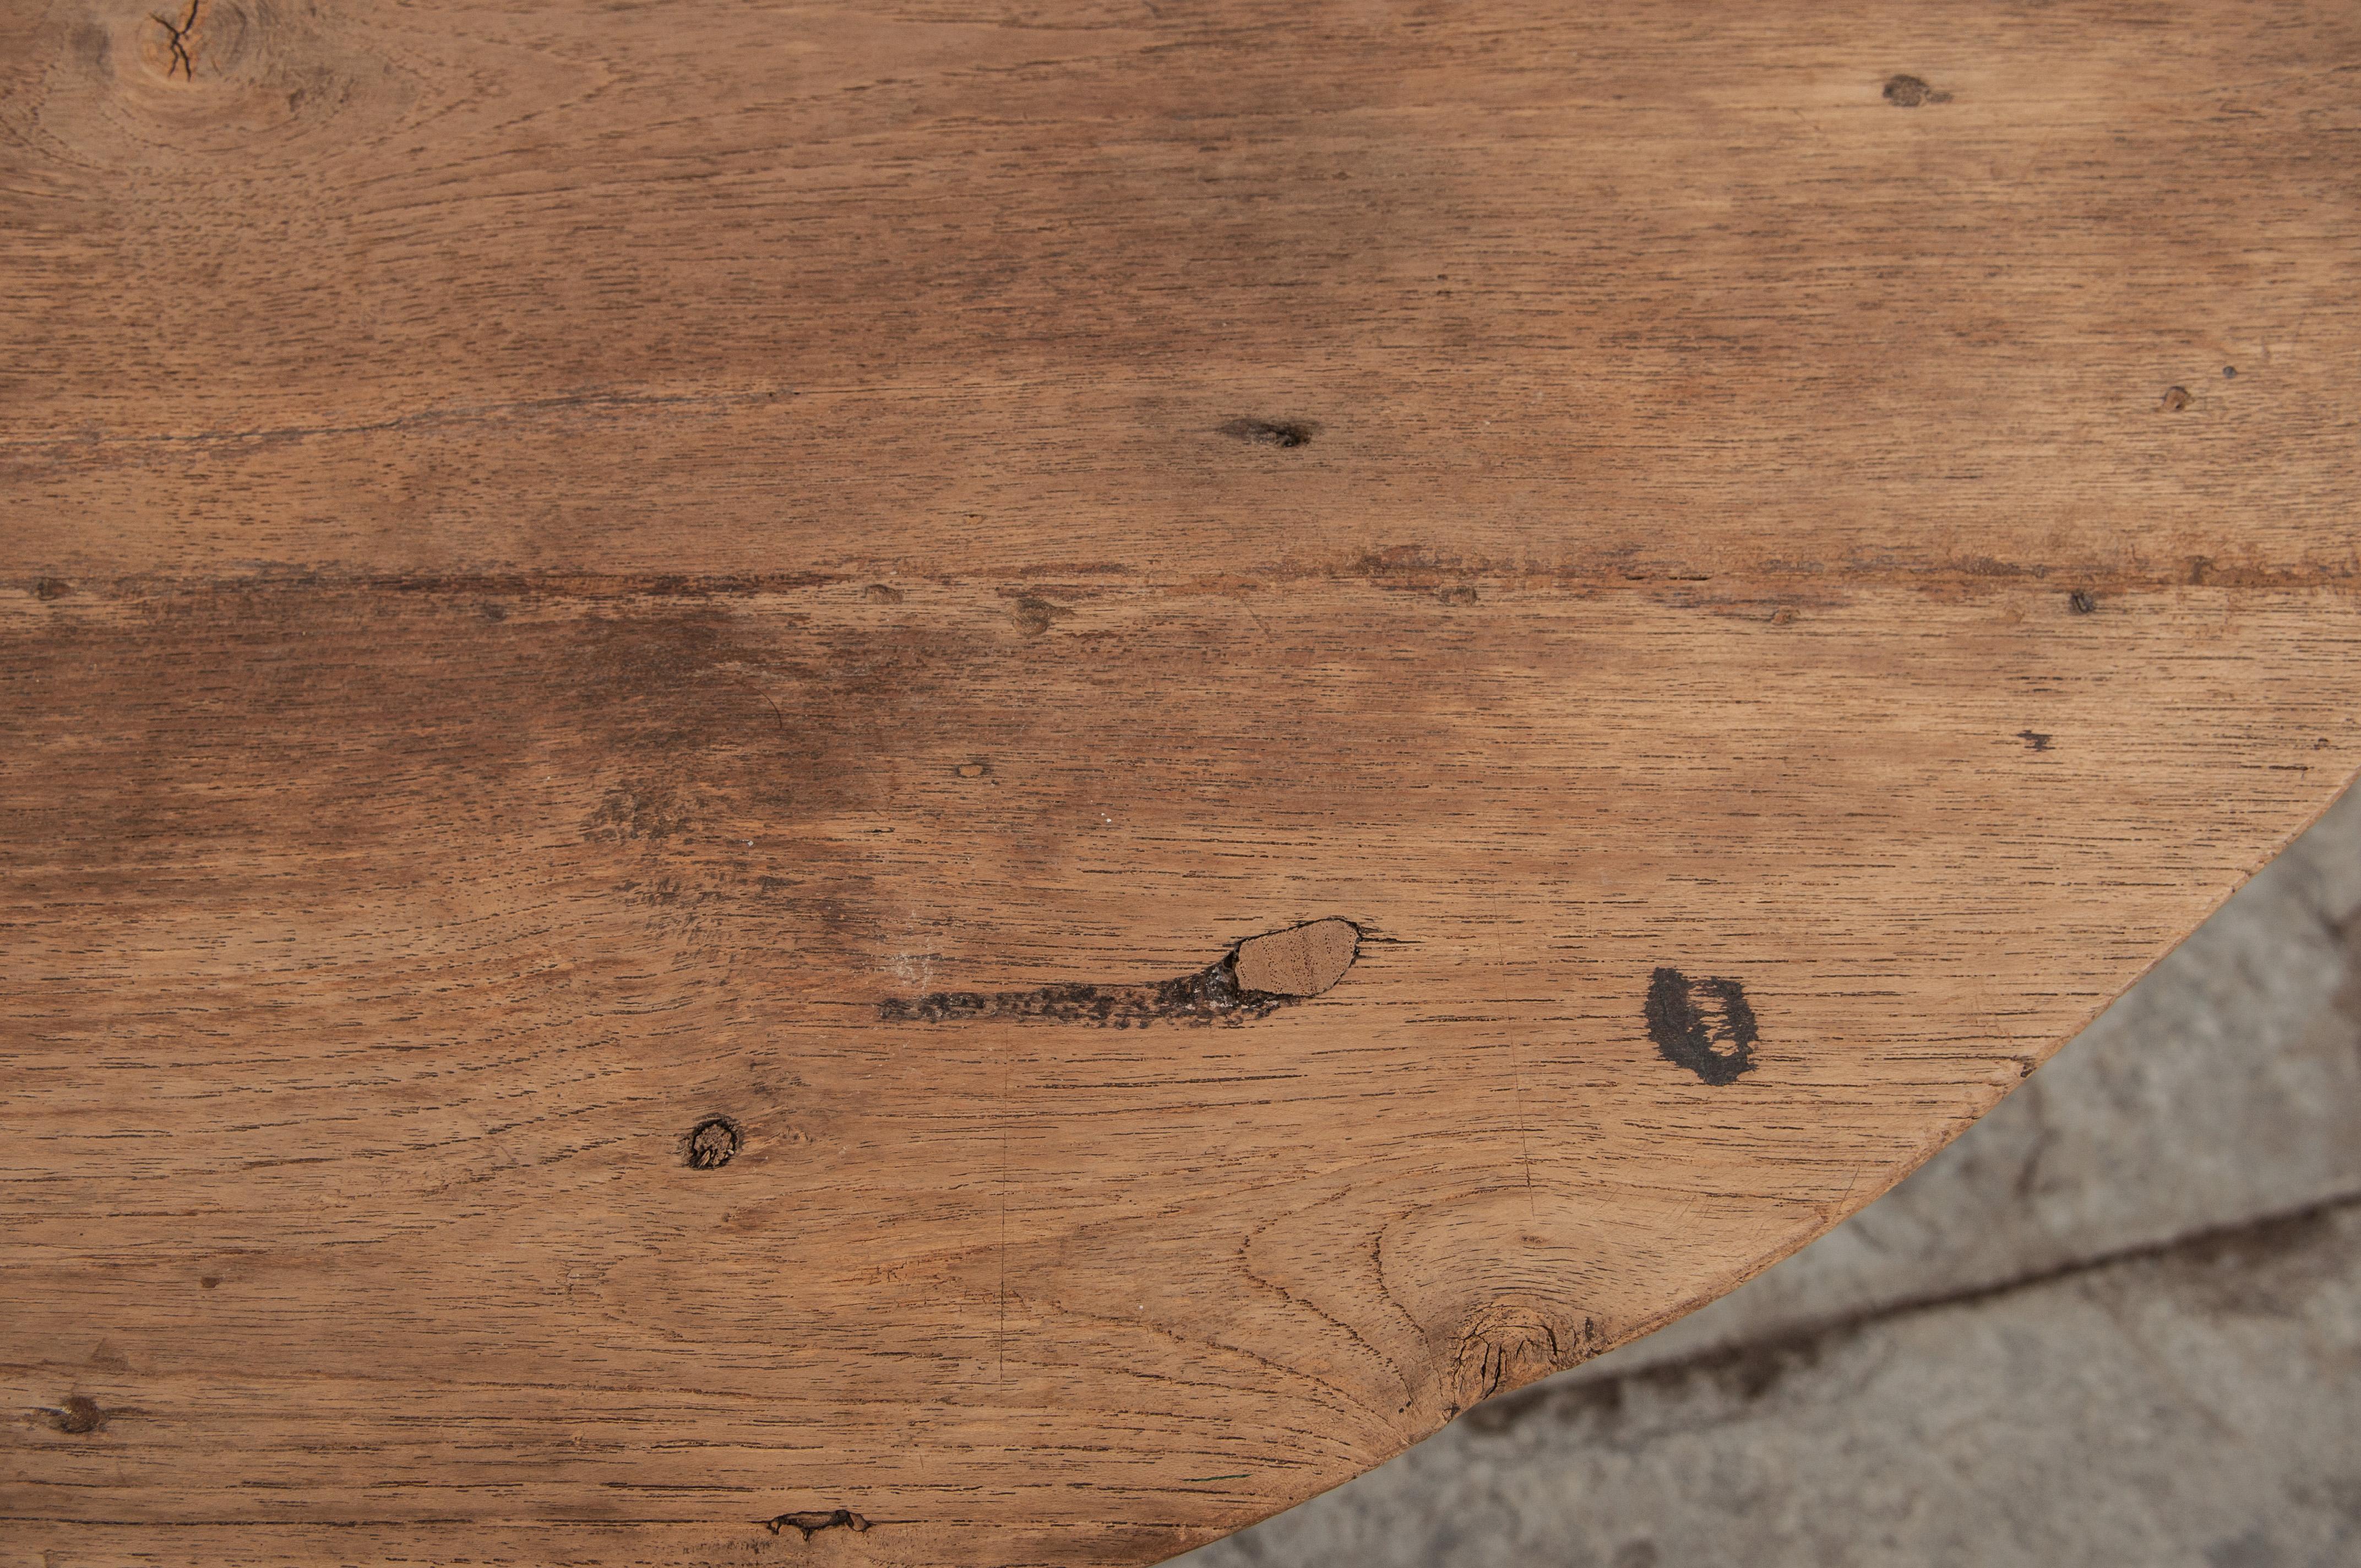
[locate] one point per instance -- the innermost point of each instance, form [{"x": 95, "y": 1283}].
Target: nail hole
[
  {"x": 2081, "y": 602},
  {"x": 2175, "y": 399},
  {"x": 712, "y": 1144},
  {"x": 2229, "y": 372},
  {"x": 52, "y": 587}
]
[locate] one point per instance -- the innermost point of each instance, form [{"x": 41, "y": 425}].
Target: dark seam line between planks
[
  {"x": 423, "y": 418},
  {"x": 1749, "y": 583}
]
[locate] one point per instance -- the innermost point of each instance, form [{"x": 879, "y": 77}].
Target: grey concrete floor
[{"x": 2117, "y": 1323}]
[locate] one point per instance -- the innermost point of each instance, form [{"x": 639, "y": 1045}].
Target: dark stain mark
[
  {"x": 2229, "y": 372},
  {"x": 2081, "y": 602},
  {"x": 2033, "y": 739},
  {"x": 882, "y": 593},
  {"x": 2175, "y": 399},
  {"x": 710, "y": 1144},
  {"x": 1909, "y": 92},
  {"x": 180, "y": 60},
  {"x": 1290, "y": 433},
  {"x": 494, "y": 612},
  {"x": 1251, "y": 980},
  {"x": 210, "y": 1281},
  {"x": 1687, "y": 1034},
  {"x": 634, "y": 811},
  {"x": 812, "y": 1522},
  {"x": 78, "y": 1414},
  {"x": 1035, "y": 616},
  {"x": 51, "y": 588},
  {"x": 1457, "y": 593},
  {"x": 2201, "y": 567}
]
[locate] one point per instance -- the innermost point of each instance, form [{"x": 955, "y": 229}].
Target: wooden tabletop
[{"x": 939, "y": 784}]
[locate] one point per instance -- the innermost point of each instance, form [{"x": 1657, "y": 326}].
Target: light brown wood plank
[{"x": 587, "y": 592}]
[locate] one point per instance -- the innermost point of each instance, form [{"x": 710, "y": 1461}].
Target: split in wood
[{"x": 1251, "y": 980}]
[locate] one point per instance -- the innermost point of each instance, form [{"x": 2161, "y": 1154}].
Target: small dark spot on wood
[
  {"x": 2034, "y": 740},
  {"x": 210, "y": 1281},
  {"x": 2200, "y": 568},
  {"x": 882, "y": 593},
  {"x": 494, "y": 612},
  {"x": 2229, "y": 372},
  {"x": 1457, "y": 593},
  {"x": 1909, "y": 92},
  {"x": 1289, "y": 433},
  {"x": 52, "y": 587},
  {"x": 812, "y": 1522},
  {"x": 711, "y": 1144},
  {"x": 2081, "y": 602},
  {"x": 1035, "y": 616},
  {"x": 78, "y": 1414},
  {"x": 2175, "y": 399},
  {"x": 1713, "y": 1038}
]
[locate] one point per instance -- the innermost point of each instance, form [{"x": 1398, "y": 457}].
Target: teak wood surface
[{"x": 659, "y": 664}]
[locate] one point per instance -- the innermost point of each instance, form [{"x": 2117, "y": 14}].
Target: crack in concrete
[{"x": 1750, "y": 1366}]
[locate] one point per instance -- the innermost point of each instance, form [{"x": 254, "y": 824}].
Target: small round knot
[{"x": 712, "y": 1144}]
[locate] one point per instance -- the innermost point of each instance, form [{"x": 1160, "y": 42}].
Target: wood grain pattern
[{"x": 570, "y": 574}]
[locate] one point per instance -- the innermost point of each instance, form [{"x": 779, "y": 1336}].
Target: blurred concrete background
[{"x": 2117, "y": 1323}]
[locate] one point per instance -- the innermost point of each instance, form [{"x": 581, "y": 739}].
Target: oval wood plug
[{"x": 1303, "y": 960}]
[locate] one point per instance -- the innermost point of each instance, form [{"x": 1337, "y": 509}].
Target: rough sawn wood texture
[{"x": 657, "y": 662}]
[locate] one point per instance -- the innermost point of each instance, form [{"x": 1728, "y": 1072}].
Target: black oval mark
[
  {"x": 1687, "y": 1031},
  {"x": 711, "y": 1144}
]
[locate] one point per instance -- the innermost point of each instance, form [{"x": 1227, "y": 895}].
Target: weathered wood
[{"x": 986, "y": 785}]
